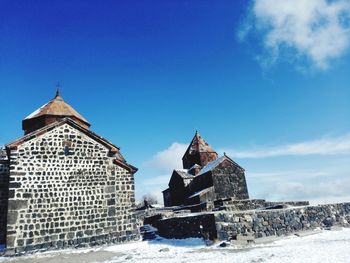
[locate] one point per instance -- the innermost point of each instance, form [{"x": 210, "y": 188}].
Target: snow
[
  {"x": 211, "y": 165},
  {"x": 181, "y": 170},
  {"x": 35, "y": 112},
  {"x": 325, "y": 246},
  {"x": 200, "y": 192}
]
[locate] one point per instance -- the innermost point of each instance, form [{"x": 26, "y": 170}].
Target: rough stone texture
[
  {"x": 65, "y": 190},
  {"x": 185, "y": 227},
  {"x": 280, "y": 222},
  {"x": 287, "y": 203},
  {"x": 4, "y": 183},
  {"x": 226, "y": 180},
  {"x": 252, "y": 224},
  {"x": 240, "y": 205},
  {"x": 230, "y": 204},
  {"x": 205, "y": 177},
  {"x": 229, "y": 181}
]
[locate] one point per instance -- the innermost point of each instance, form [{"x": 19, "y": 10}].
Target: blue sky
[{"x": 270, "y": 86}]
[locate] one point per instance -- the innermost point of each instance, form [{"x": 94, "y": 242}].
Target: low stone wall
[
  {"x": 240, "y": 205},
  {"x": 280, "y": 222},
  {"x": 251, "y": 204},
  {"x": 230, "y": 225},
  {"x": 290, "y": 203},
  {"x": 190, "y": 226}
]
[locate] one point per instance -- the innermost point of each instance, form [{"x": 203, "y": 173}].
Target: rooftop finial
[{"x": 58, "y": 92}]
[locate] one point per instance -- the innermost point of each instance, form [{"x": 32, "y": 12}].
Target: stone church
[
  {"x": 205, "y": 177},
  {"x": 63, "y": 185}
]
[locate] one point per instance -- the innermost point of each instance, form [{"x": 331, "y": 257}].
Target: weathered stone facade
[
  {"x": 249, "y": 225},
  {"x": 205, "y": 177},
  {"x": 199, "y": 152},
  {"x": 67, "y": 187},
  {"x": 4, "y": 184},
  {"x": 226, "y": 179},
  {"x": 258, "y": 224}
]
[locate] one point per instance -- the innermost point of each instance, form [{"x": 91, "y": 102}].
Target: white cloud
[
  {"x": 157, "y": 180},
  {"x": 275, "y": 175},
  {"x": 157, "y": 171},
  {"x": 168, "y": 159},
  {"x": 325, "y": 146},
  {"x": 318, "y": 30},
  {"x": 326, "y": 189},
  {"x": 323, "y": 181}
]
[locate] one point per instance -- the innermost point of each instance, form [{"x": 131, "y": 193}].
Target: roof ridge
[
  {"x": 29, "y": 136},
  {"x": 197, "y": 138}
]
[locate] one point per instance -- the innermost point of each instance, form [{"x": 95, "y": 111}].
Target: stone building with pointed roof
[
  {"x": 205, "y": 177},
  {"x": 63, "y": 185}
]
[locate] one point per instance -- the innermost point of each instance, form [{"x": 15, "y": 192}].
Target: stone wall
[
  {"x": 4, "y": 183},
  {"x": 229, "y": 181},
  {"x": 202, "y": 196},
  {"x": 252, "y": 224},
  {"x": 199, "y": 183},
  {"x": 231, "y": 204},
  {"x": 185, "y": 227},
  {"x": 280, "y": 222},
  {"x": 65, "y": 190}
]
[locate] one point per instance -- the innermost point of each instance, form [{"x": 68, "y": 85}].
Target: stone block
[
  {"x": 111, "y": 211},
  {"x": 109, "y": 189},
  {"x": 14, "y": 185},
  {"x": 17, "y": 204},
  {"x": 10, "y": 241},
  {"x": 12, "y": 217}
]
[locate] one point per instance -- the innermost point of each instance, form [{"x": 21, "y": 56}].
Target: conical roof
[
  {"x": 198, "y": 144},
  {"x": 198, "y": 152},
  {"x": 55, "y": 110},
  {"x": 57, "y": 107}
]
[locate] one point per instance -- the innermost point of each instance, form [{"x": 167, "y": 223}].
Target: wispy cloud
[
  {"x": 318, "y": 30},
  {"x": 168, "y": 159},
  {"x": 325, "y": 189},
  {"x": 325, "y": 146},
  {"x": 158, "y": 170},
  {"x": 275, "y": 175},
  {"x": 323, "y": 181},
  {"x": 160, "y": 180}
]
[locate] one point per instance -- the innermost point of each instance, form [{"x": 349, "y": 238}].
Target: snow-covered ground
[{"x": 326, "y": 246}]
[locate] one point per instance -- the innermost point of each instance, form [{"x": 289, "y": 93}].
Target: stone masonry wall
[
  {"x": 184, "y": 227},
  {"x": 64, "y": 191},
  {"x": 257, "y": 224},
  {"x": 4, "y": 183},
  {"x": 252, "y": 224},
  {"x": 229, "y": 181}
]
